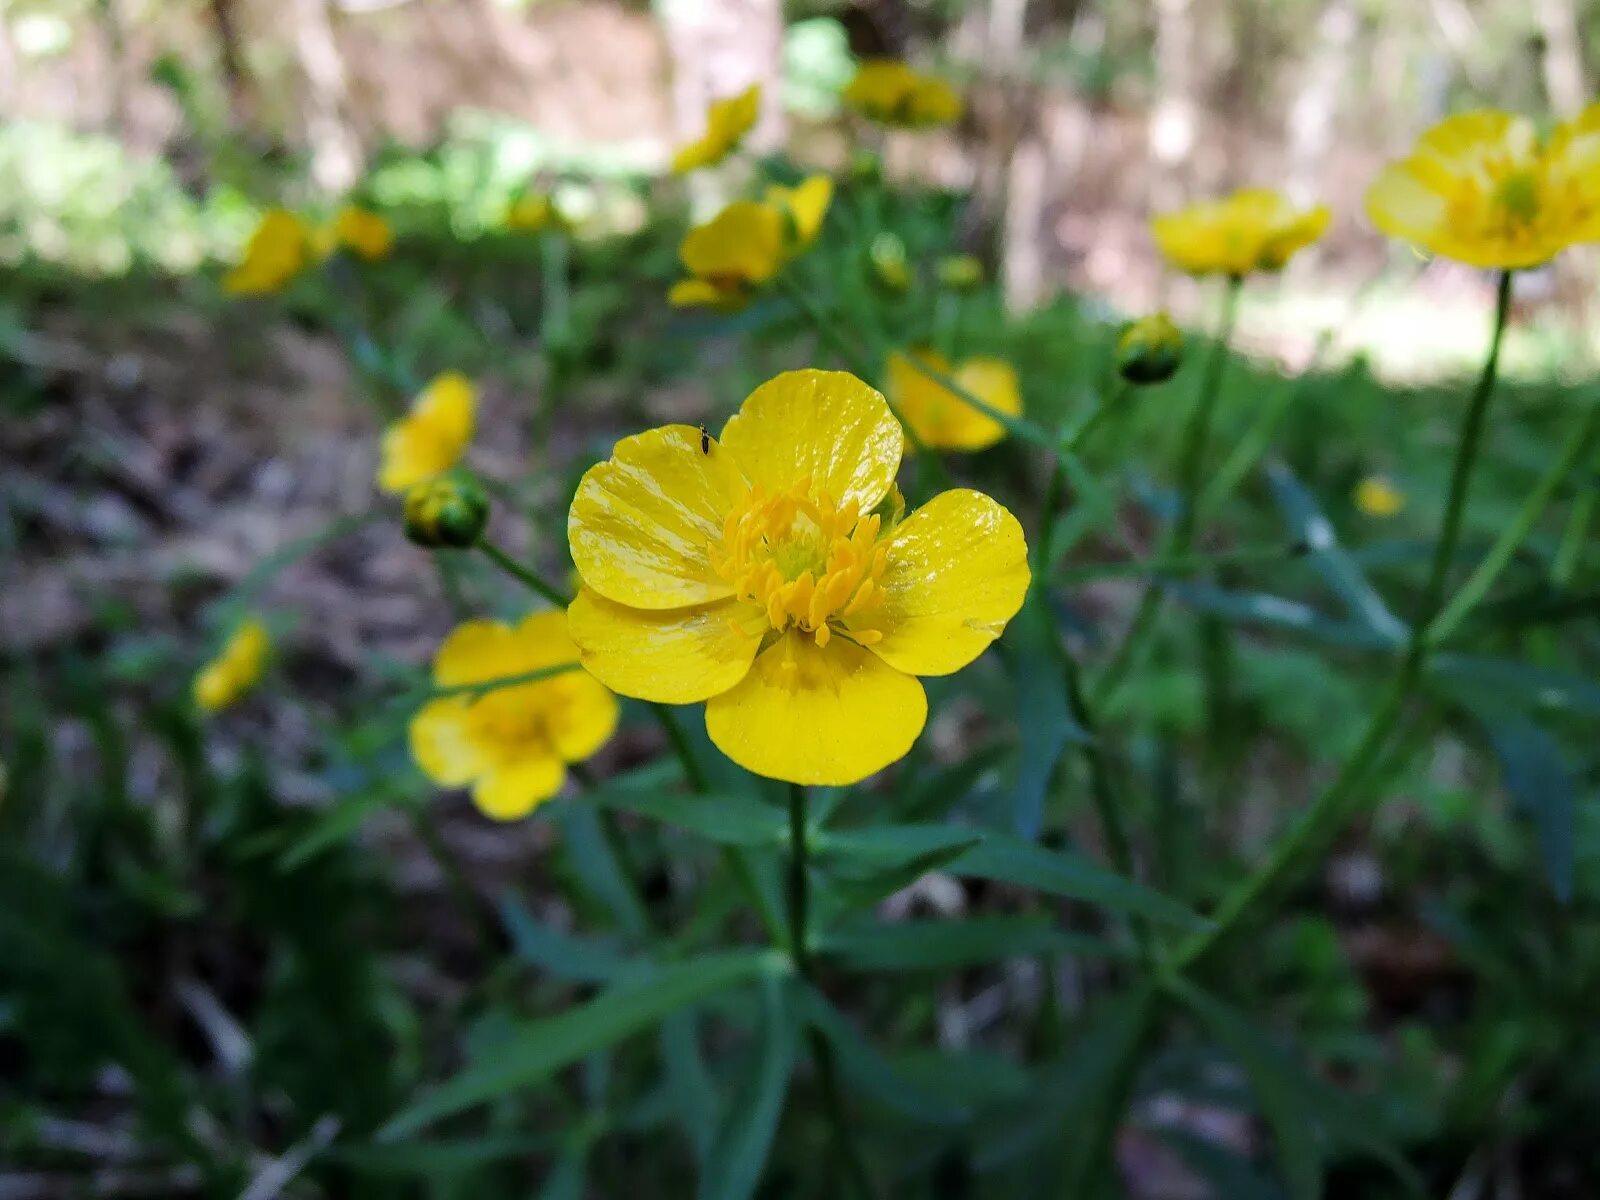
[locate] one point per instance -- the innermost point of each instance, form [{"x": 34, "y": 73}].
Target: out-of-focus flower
[
  {"x": 363, "y": 232},
  {"x": 758, "y": 573},
  {"x": 959, "y": 272},
  {"x": 888, "y": 91},
  {"x": 803, "y": 208},
  {"x": 1376, "y": 496},
  {"x": 510, "y": 742},
  {"x": 278, "y": 250},
  {"x": 235, "y": 670},
  {"x": 1150, "y": 349},
  {"x": 730, "y": 256},
  {"x": 432, "y": 437},
  {"x": 887, "y": 256},
  {"x": 940, "y": 418},
  {"x": 1484, "y": 189},
  {"x": 727, "y": 121},
  {"x": 446, "y": 512},
  {"x": 535, "y": 212},
  {"x": 1257, "y": 229}
]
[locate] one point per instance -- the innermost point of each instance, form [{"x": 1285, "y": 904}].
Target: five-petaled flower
[
  {"x": 939, "y": 417},
  {"x": 1484, "y": 189},
  {"x": 236, "y": 668},
  {"x": 727, "y": 122},
  {"x": 1256, "y": 229},
  {"x": 432, "y": 437},
  {"x": 278, "y": 250},
  {"x": 768, "y": 574},
  {"x": 511, "y": 741},
  {"x": 363, "y": 232},
  {"x": 749, "y": 242},
  {"x": 802, "y": 208},
  {"x": 888, "y": 91}
]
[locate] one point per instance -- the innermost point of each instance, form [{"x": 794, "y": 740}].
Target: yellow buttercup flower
[
  {"x": 235, "y": 670},
  {"x": 363, "y": 232},
  {"x": 1376, "y": 496},
  {"x": 432, "y": 437},
  {"x": 727, "y": 121},
  {"x": 1484, "y": 189},
  {"x": 959, "y": 272},
  {"x": 941, "y": 419},
  {"x": 510, "y": 743},
  {"x": 803, "y": 207},
  {"x": 768, "y": 574},
  {"x": 278, "y": 250},
  {"x": 534, "y": 212},
  {"x": 888, "y": 91},
  {"x": 1253, "y": 230},
  {"x": 730, "y": 256}
]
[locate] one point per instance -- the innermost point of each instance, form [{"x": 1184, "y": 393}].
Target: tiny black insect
[{"x": 705, "y": 441}]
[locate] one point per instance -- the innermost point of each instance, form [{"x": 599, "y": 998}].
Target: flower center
[
  {"x": 804, "y": 560},
  {"x": 1517, "y": 196},
  {"x": 508, "y": 716}
]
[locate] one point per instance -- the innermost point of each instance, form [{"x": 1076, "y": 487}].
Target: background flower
[
  {"x": 727, "y": 121},
  {"x": 432, "y": 437},
  {"x": 939, "y": 417},
  {"x": 890, "y": 92},
  {"x": 1256, "y": 229},
  {"x": 278, "y": 250},
  {"x": 363, "y": 232},
  {"x": 236, "y": 669},
  {"x": 731, "y": 254}
]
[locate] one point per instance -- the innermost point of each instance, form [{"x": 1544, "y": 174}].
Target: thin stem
[
  {"x": 485, "y": 931},
  {"x": 1569, "y": 553},
  {"x": 522, "y": 574},
  {"x": 679, "y": 741},
  {"x": 1511, "y": 538},
  {"x": 1191, "y": 461},
  {"x": 1070, "y": 444},
  {"x": 799, "y": 885},
  {"x": 1347, "y": 794}
]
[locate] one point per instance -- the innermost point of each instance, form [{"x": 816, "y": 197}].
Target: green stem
[
  {"x": 1346, "y": 796},
  {"x": 799, "y": 884},
  {"x": 1511, "y": 538},
  {"x": 1569, "y": 554},
  {"x": 1069, "y": 445},
  {"x": 693, "y": 775},
  {"x": 1191, "y": 461},
  {"x": 521, "y": 573}
]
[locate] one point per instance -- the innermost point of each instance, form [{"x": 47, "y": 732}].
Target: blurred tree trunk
[
  {"x": 235, "y": 82},
  {"x": 719, "y": 47},
  {"x": 1175, "y": 110},
  {"x": 1562, "y": 35},
  {"x": 1312, "y": 115},
  {"x": 335, "y": 148}
]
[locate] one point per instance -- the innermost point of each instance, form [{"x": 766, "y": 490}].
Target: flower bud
[
  {"x": 446, "y": 512},
  {"x": 1149, "y": 350},
  {"x": 960, "y": 272},
  {"x": 888, "y": 257}
]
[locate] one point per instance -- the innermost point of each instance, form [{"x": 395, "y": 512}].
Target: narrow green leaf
[
  {"x": 694, "y": 1094},
  {"x": 439, "y": 1158},
  {"x": 340, "y": 821},
  {"x": 1043, "y": 712},
  {"x": 568, "y": 956},
  {"x": 537, "y": 1049},
  {"x": 1539, "y": 688},
  {"x": 1277, "y": 612},
  {"x": 879, "y": 847},
  {"x": 568, "y": 1179},
  {"x": 943, "y": 945},
  {"x": 1534, "y": 769},
  {"x": 931, "y": 793},
  {"x": 739, "y": 1151},
  {"x": 732, "y": 820},
  {"x": 584, "y": 842}
]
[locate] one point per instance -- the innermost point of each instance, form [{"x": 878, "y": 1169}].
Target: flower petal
[
  {"x": 825, "y": 425},
  {"x": 474, "y": 651},
  {"x": 582, "y": 716},
  {"x": 642, "y": 522},
  {"x": 679, "y": 656},
  {"x": 441, "y": 745},
  {"x": 828, "y": 716},
  {"x": 516, "y": 789},
  {"x": 957, "y": 572}
]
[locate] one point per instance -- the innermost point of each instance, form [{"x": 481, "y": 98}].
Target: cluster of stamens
[{"x": 804, "y": 561}]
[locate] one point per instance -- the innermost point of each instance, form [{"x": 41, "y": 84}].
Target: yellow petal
[
  {"x": 441, "y": 745},
  {"x": 1400, "y": 205},
  {"x": 699, "y": 293},
  {"x": 818, "y": 715},
  {"x": 475, "y": 651},
  {"x": 582, "y": 715},
  {"x": 431, "y": 438},
  {"x": 743, "y": 242},
  {"x": 642, "y": 523},
  {"x": 674, "y": 657},
  {"x": 514, "y": 790},
  {"x": 957, "y": 572},
  {"x": 806, "y": 205},
  {"x": 941, "y": 418},
  {"x": 824, "y": 425}
]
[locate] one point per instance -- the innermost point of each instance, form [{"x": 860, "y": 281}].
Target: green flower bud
[
  {"x": 446, "y": 512},
  {"x": 888, "y": 257},
  {"x": 960, "y": 272},
  {"x": 1149, "y": 350}
]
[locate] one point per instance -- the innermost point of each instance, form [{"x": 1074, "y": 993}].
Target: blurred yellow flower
[
  {"x": 730, "y": 255},
  {"x": 510, "y": 743},
  {"x": 1252, "y": 230},
  {"x": 235, "y": 670},
  {"x": 727, "y": 121},
  {"x": 1376, "y": 496},
  {"x": 768, "y": 575},
  {"x": 278, "y": 250},
  {"x": 887, "y": 257},
  {"x": 803, "y": 208},
  {"x": 888, "y": 91},
  {"x": 959, "y": 272},
  {"x": 1484, "y": 189},
  {"x": 363, "y": 232},
  {"x": 432, "y": 437},
  {"x": 940, "y": 418},
  {"x": 1149, "y": 349},
  {"x": 534, "y": 212}
]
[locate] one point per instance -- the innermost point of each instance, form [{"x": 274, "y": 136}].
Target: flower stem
[
  {"x": 1577, "y": 444},
  {"x": 1346, "y": 796},
  {"x": 522, "y": 574},
  {"x": 1191, "y": 462},
  {"x": 1569, "y": 553}
]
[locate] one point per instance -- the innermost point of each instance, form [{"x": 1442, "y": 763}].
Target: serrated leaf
[
  {"x": 537, "y": 1049},
  {"x": 739, "y": 1151},
  {"x": 944, "y": 945}
]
